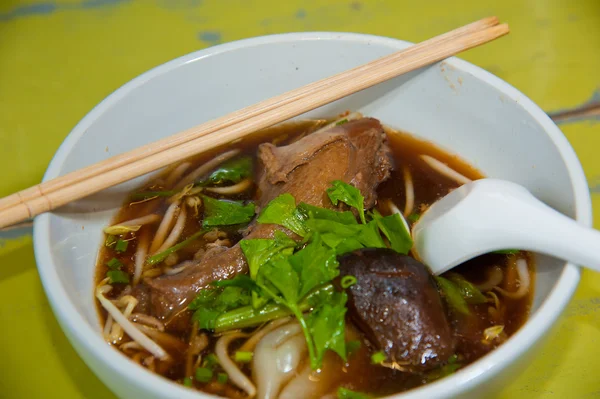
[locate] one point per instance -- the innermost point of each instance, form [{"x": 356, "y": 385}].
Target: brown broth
[{"x": 358, "y": 374}]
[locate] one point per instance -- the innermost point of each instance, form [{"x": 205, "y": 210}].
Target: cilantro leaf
[
  {"x": 393, "y": 228},
  {"x": 224, "y": 213},
  {"x": 316, "y": 264},
  {"x": 309, "y": 211},
  {"x": 210, "y": 303},
  {"x": 327, "y": 326},
  {"x": 368, "y": 235},
  {"x": 259, "y": 252},
  {"x": 282, "y": 275},
  {"x": 348, "y": 194},
  {"x": 282, "y": 211},
  {"x": 232, "y": 171},
  {"x": 241, "y": 280},
  {"x": 345, "y": 238}
]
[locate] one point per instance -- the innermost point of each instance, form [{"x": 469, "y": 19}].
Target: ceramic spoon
[{"x": 488, "y": 215}]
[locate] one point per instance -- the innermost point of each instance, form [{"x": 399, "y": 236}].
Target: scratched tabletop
[{"x": 58, "y": 59}]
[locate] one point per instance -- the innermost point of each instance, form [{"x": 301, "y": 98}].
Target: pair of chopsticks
[{"x": 55, "y": 193}]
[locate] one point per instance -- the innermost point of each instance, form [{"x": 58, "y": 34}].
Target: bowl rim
[{"x": 80, "y": 332}]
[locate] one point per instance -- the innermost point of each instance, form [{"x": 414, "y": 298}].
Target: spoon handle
[{"x": 542, "y": 229}]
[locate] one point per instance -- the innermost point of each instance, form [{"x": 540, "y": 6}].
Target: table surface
[{"x": 60, "y": 58}]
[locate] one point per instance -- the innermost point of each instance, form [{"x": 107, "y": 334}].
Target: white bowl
[{"x": 454, "y": 104}]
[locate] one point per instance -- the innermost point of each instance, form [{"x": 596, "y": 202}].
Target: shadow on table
[
  {"x": 86, "y": 382},
  {"x": 548, "y": 361}
]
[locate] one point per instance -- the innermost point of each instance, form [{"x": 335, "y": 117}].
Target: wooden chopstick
[
  {"x": 115, "y": 170},
  {"x": 228, "y": 120}
]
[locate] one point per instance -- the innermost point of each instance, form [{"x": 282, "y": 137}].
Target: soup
[{"x": 280, "y": 267}]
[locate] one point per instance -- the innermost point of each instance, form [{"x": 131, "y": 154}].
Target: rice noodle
[
  {"x": 129, "y": 303},
  {"x": 140, "y": 256},
  {"x": 235, "y": 189},
  {"x": 197, "y": 344},
  {"x": 176, "y": 232},
  {"x": 236, "y": 376},
  {"x": 176, "y": 174},
  {"x": 148, "y": 320},
  {"x": 445, "y": 170},
  {"x": 162, "y": 338},
  {"x": 494, "y": 278},
  {"x": 133, "y": 332},
  {"x": 409, "y": 191},
  {"x": 107, "y": 328},
  {"x": 250, "y": 344},
  {"x": 206, "y": 167},
  {"x": 276, "y": 358},
  {"x": 524, "y": 281},
  {"x": 179, "y": 268},
  {"x": 141, "y": 221},
  {"x": 163, "y": 228},
  {"x": 130, "y": 345}
]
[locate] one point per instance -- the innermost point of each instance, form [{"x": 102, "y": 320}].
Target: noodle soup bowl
[{"x": 460, "y": 107}]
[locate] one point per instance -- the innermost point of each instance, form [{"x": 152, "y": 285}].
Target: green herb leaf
[
  {"x": 314, "y": 212},
  {"x": 204, "y": 374},
  {"x": 316, "y": 264},
  {"x": 282, "y": 211},
  {"x": 222, "y": 378},
  {"x": 248, "y": 316},
  {"x": 282, "y": 275},
  {"x": 225, "y": 213},
  {"x": 327, "y": 326},
  {"x": 117, "y": 276},
  {"x": 345, "y": 238},
  {"x": 338, "y": 123},
  {"x": 121, "y": 246},
  {"x": 232, "y": 171},
  {"x": 210, "y": 303},
  {"x": 259, "y": 252},
  {"x": 378, "y": 357},
  {"x": 114, "y": 264},
  {"x": 206, "y": 318},
  {"x": 344, "y": 393},
  {"x": 368, "y": 235},
  {"x": 348, "y": 194},
  {"x": 452, "y": 295},
  {"x": 471, "y": 293},
  {"x": 241, "y": 280},
  {"x": 187, "y": 381},
  {"x": 395, "y": 231}
]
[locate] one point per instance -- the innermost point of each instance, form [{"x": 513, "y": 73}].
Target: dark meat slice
[
  {"x": 355, "y": 153},
  {"x": 395, "y": 302}
]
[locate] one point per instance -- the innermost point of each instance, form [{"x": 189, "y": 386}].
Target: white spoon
[{"x": 488, "y": 215}]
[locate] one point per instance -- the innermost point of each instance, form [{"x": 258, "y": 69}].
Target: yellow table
[{"x": 60, "y": 58}]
